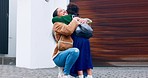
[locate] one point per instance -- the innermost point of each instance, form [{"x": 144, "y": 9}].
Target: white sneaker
[
  {"x": 89, "y": 76},
  {"x": 81, "y": 76},
  {"x": 66, "y": 76},
  {"x": 60, "y": 74}
]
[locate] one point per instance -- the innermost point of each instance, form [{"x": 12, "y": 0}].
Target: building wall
[
  {"x": 30, "y": 27},
  {"x": 35, "y": 44}
]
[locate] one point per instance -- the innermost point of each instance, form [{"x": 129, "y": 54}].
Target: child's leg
[
  {"x": 80, "y": 74},
  {"x": 89, "y": 71}
]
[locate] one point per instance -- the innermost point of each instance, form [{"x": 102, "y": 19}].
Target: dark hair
[
  {"x": 73, "y": 9},
  {"x": 55, "y": 13}
]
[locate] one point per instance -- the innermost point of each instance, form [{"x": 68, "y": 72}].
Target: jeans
[{"x": 66, "y": 59}]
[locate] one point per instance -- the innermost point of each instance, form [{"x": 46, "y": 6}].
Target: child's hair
[{"x": 73, "y": 9}]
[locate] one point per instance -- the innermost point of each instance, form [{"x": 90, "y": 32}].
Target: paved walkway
[{"x": 10, "y": 71}]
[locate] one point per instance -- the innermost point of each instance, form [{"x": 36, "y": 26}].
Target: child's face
[{"x": 61, "y": 12}]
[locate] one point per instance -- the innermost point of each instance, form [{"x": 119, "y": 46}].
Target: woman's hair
[
  {"x": 73, "y": 9},
  {"x": 55, "y": 13}
]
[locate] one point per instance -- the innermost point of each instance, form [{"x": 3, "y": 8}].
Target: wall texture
[{"x": 35, "y": 44}]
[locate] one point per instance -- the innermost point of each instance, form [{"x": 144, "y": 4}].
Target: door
[
  {"x": 120, "y": 31},
  {"x": 4, "y": 11}
]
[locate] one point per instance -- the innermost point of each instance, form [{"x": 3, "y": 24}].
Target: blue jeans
[{"x": 66, "y": 59}]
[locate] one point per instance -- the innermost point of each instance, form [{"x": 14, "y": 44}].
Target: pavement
[{"x": 11, "y": 71}]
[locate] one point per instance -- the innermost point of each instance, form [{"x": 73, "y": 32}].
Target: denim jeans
[{"x": 66, "y": 59}]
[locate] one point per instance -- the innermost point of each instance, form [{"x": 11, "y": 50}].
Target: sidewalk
[{"x": 10, "y": 71}]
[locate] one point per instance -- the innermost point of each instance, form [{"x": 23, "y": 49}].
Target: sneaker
[
  {"x": 89, "y": 76},
  {"x": 65, "y": 76},
  {"x": 81, "y": 76},
  {"x": 60, "y": 74}
]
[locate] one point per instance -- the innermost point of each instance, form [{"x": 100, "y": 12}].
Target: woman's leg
[{"x": 66, "y": 59}]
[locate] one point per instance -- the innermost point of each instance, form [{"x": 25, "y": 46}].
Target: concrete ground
[{"x": 10, "y": 71}]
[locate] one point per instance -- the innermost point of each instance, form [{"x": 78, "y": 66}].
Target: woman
[
  {"x": 84, "y": 62},
  {"x": 65, "y": 58}
]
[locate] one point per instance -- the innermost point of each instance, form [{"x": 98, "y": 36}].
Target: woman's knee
[{"x": 75, "y": 51}]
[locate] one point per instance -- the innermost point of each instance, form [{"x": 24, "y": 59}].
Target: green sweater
[{"x": 64, "y": 19}]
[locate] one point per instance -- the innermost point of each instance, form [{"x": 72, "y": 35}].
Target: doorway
[
  {"x": 120, "y": 31},
  {"x": 4, "y": 17}
]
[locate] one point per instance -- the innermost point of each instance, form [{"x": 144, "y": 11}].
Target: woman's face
[{"x": 61, "y": 12}]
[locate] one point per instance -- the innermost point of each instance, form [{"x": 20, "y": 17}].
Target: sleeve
[{"x": 64, "y": 29}]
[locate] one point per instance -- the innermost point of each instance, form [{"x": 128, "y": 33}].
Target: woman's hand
[
  {"x": 82, "y": 21},
  {"x": 77, "y": 19}
]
